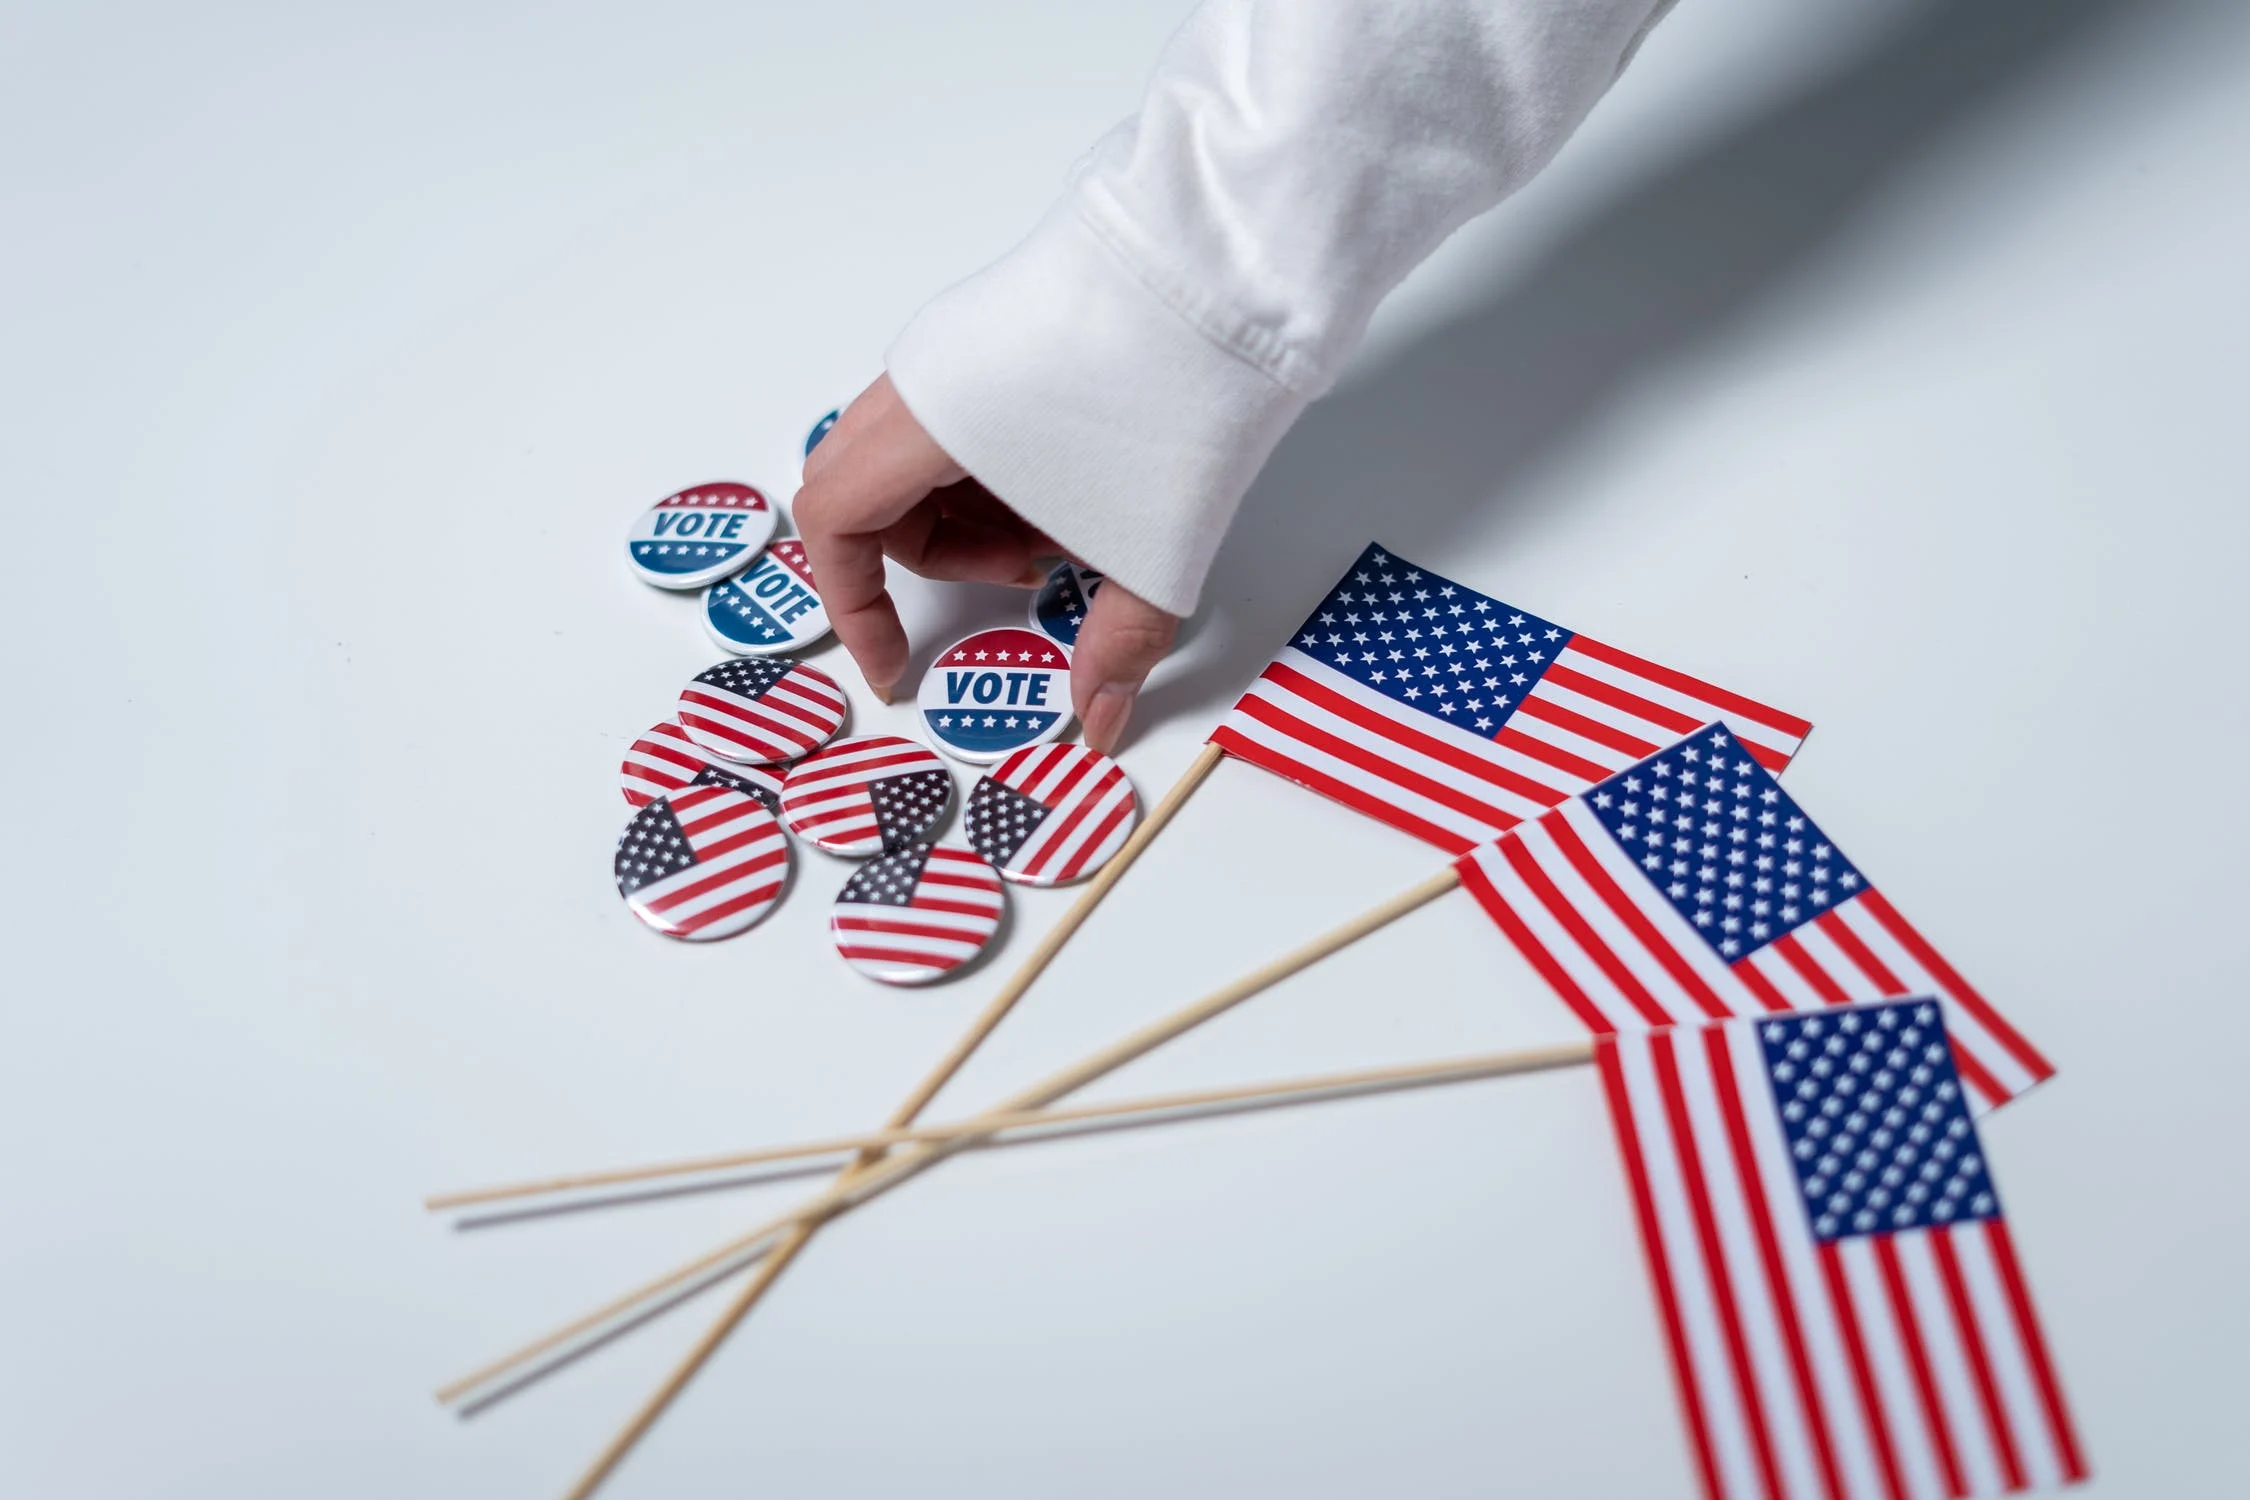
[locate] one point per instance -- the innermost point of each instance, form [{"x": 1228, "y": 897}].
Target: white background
[{"x": 1888, "y": 363}]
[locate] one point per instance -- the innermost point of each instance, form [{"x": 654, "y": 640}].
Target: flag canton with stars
[
  {"x": 1875, "y": 1119},
  {"x": 1731, "y": 850},
  {"x": 764, "y": 796},
  {"x": 906, "y": 806},
  {"x": 1430, "y": 643},
  {"x": 1059, "y": 607},
  {"x": 652, "y": 848},
  {"x": 998, "y": 819},
  {"x": 888, "y": 879},
  {"x": 747, "y": 676}
]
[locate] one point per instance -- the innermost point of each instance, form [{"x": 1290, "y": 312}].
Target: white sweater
[{"x": 1121, "y": 375}]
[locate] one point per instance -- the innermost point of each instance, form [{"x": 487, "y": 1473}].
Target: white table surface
[{"x": 1889, "y": 365}]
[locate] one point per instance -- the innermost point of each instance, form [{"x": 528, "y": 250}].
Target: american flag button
[
  {"x": 699, "y": 535},
  {"x": 770, "y": 607},
  {"x": 995, "y": 692},
  {"x": 917, "y": 914},
  {"x": 819, "y": 431},
  {"x": 703, "y": 862},
  {"x": 1059, "y": 607},
  {"x": 863, "y": 796},
  {"x": 1051, "y": 814},
  {"x": 756, "y": 710},
  {"x": 665, "y": 760}
]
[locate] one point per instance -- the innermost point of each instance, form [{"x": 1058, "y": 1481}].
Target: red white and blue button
[
  {"x": 697, "y": 536},
  {"x": 1059, "y": 607},
  {"x": 702, "y": 863},
  {"x": 863, "y": 796},
  {"x": 665, "y": 760},
  {"x": 771, "y": 607},
  {"x": 757, "y": 710},
  {"x": 1051, "y": 814},
  {"x": 917, "y": 914},
  {"x": 995, "y": 692}
]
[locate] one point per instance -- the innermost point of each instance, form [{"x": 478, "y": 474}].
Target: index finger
[{"x": 883, "y": 466}]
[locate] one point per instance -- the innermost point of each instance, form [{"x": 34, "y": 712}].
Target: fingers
[
  {"x": 961, "y": 534},
  {"x": 1123, "y": 639},
  {"x": 869, "y": 474}
]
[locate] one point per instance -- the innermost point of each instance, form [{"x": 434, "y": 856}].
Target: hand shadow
[{"x": 1453, "y": 421}]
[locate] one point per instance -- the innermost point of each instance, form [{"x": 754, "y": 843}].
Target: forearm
[{"x": 1121, "y": 375}]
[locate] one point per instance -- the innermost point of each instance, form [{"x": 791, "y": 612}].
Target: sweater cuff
[{"x": 1079, "y": 397}]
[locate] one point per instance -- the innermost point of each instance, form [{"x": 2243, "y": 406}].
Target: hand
[{"x": 878, "y": 486}]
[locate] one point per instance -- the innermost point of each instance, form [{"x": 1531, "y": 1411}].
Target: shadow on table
[{"x": 1453, "y": 421}]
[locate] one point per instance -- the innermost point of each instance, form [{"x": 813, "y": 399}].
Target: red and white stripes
[
  {"x": 952, "y": 907},
  {"x": 1091, "y": 812},
  {"x": 797, "y": 713},
  {"x": 826, "y": 797},
  {"x": 1623, "y": 959},
  {"x": 740, "y": 862},
  {"x": 1881, "y": 1366},
  {"x": 665, "y": 759}
]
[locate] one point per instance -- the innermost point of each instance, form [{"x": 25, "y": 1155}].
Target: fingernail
[
  {"x": 882, "y": 692},
  {"x": 1106, "y": 715},
  {"x": 1031, "y": 577}
]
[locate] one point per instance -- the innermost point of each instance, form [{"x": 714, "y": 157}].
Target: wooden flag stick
[
  {"x": 908, "y": 1110},
  {"x": 859, "y": 1184},
  {"x": 1311, "y": 1087}
]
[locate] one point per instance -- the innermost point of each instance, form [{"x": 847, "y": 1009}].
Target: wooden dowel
[
  {"x": 1354, "y": 1081},
  {"x": 862, "y": 1183},
  {"x": 986, "y": 1020}
]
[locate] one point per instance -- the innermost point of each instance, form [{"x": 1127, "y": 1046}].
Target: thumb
[{"x": 1123, "y": 639}]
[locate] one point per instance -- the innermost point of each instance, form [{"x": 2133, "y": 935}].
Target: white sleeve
[{"x": 1121, "y": 375}]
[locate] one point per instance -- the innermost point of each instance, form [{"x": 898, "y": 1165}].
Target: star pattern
[
  {"x": 742, "y": 617},
  {"x": 906, "y": 807},
  {"x": 652, "y": 848},
  {"x": 888, "y": 879},
  {"x": 1429, "y": 643},
  {"x": 1060, "y": 607},
  {"x": 998, "y": 819},
  {"x": 766, "y": 796},
  {"x": 1731, "y": 850},
  {"x": 1877, "y": 1125},
  {"x": 747, "y": 676}
]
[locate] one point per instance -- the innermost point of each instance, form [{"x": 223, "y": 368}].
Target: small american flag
[
  {"x": 914, "y": 915},
  {"x": 1050, "y": 813},
  {"x": 1832, "y": 1270},
  {"x": 866, "y": 795},
  {"x": 1691, "y": 887},
  {"x": 760, "y": 709},
  {"x": 1453, "y": 716},
  {"x": 665, "y": 760},
  {"x": 702, "y": 863}
]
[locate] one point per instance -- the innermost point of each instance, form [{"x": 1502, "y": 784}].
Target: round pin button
[
  {"x": 819, "y": 431},
  {"x": 917, "y": 914},
  {"x": 996, "y": 692},
  {"x": 770, "y": 607},
  {"x": 863, "y": 796},
  {"x": 665, "y": 760},
  {"x": 1051, "y": 814},
  {"x": 1059, "y": 606},
  {"x": 755, "y": 710},
  {"x": 701, "y": 863},
  {"x": 685, "y": 541}
]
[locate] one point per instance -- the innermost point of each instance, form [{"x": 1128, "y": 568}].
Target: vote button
[
  {"x": 697, "y": 536},
  {"x": 994, "y": 693},
  {"x": 770, "y": 608}
]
